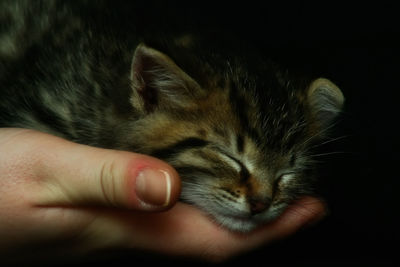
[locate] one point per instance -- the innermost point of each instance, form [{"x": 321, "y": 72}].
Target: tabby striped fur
[{"x": 237, "y": 130}]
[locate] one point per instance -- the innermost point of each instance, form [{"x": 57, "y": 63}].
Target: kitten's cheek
[{"x": 152, "y": 188}]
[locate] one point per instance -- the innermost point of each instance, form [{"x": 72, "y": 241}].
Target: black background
[{"x": 357, "y": 48}]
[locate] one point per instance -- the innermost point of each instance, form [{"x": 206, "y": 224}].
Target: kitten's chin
[
  {"x": 236, "y": 224},
  {"x": 248, "y": 224}
]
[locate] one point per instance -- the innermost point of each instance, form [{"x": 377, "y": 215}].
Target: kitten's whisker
[
  {"x": 330, "y": 141},
  {"x": 329, "y": 153},
  {"x": 319, "y": 133},
  {"x": 304, "y": 143}
]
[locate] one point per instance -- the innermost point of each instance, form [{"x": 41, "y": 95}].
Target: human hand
[{"x": 61, "y": 198}]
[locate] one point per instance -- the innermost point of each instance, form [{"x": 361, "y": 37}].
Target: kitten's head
[{"x": 240, "y": 141}]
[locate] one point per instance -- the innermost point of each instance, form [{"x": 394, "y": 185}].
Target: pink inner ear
[
  {"x": 146, "y": 92},
  {"x": 144, "y": 62}
]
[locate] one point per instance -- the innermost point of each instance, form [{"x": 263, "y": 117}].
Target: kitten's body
[{"x": 238, "y": 132}]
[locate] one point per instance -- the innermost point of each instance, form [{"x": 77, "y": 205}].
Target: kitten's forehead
[{"x": 270, "y": 112}]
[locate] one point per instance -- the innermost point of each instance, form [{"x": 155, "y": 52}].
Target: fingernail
[{"x": 153, "y": 187}]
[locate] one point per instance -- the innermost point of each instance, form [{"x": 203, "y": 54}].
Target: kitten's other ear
[
  {"x": 158, "y": 82},
  {"x": 326, "y": 100}
]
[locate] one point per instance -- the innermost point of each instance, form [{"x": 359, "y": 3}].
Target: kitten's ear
[
  {"x": 326, "y": 100},
  {"x": 158, "y": 82}
]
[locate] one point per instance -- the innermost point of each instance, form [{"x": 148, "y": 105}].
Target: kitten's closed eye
[
  {"x": 229, "y": 185},
  {"x": 285, "y": 178}
]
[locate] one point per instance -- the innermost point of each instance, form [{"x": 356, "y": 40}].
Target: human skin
[{"x": 62, "y": 199}]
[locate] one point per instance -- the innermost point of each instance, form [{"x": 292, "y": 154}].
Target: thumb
[{"x": 74, "y": 174}]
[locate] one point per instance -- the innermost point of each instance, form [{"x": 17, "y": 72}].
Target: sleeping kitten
[{"x": 238, "y": 131}]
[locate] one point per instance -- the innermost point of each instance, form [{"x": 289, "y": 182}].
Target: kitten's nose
[{"x": 258, "y": 205}]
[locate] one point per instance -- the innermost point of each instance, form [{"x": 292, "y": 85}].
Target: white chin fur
[
  {"x": 236, "y": 224},
  {"x": 245, "y": 225}
]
